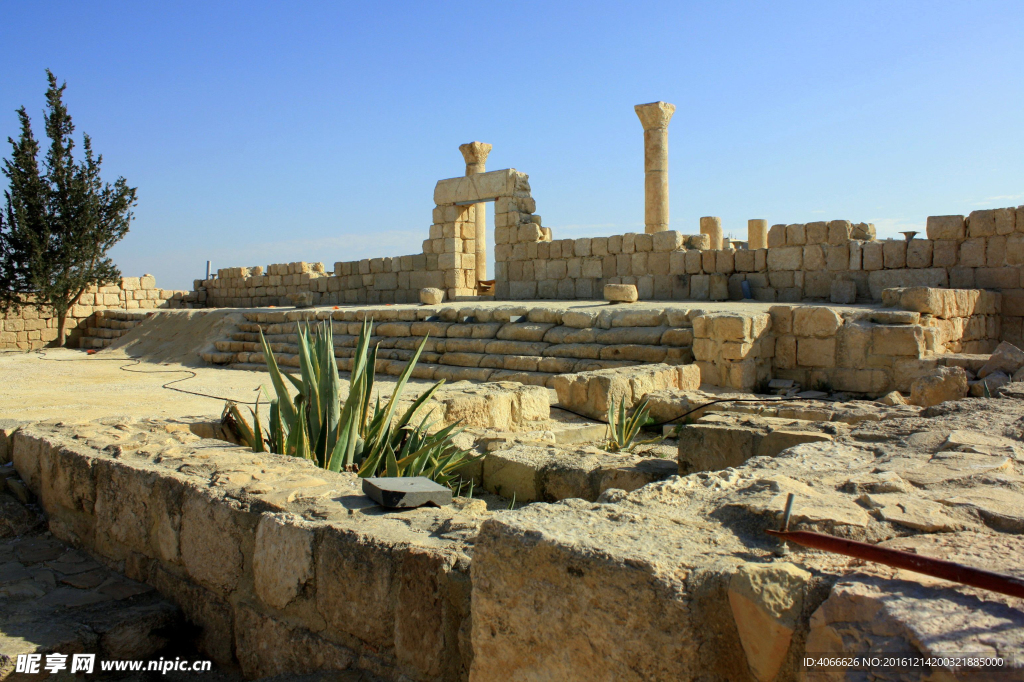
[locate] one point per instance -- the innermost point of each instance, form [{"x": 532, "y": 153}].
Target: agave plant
[
  {"x": 624, "y": 429},
  {"x": 355, "y": 434}
]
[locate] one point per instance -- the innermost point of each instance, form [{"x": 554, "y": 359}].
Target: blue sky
[{"x": 264, "y": 132}]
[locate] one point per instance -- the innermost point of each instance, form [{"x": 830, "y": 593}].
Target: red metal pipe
[{"x": 939, "y": 568}]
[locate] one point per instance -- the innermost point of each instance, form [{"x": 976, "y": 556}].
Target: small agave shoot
[
  {"x": 623, "y": 429},
  {"x": 357, "y": 434}
]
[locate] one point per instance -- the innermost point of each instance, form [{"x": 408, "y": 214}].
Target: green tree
[{"x": 60, "y": 220}]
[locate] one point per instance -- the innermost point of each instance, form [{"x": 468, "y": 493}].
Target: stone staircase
[
  {"x": 529, "y": 346},
  {"x": 106, "y": 326}
]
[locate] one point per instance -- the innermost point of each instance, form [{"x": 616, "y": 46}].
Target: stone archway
[{"x": 455, "y": 226}]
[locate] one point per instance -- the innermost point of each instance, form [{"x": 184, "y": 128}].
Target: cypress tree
[{"x": 60, "y": 220}]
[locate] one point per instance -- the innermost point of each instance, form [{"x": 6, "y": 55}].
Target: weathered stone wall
[
  {"x": 33, "y": 327},
  {"x": 862, "y": 350},
  {"x": 837, "y": 261},
  {"x": 371, "y": 280},
  {"x": 285, "y": 568}
]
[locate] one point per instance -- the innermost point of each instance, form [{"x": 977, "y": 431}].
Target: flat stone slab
[{"x": 406, "y": 492}]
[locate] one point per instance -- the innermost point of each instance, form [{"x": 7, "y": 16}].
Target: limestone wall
[
  {"x": 371, "y": 280},
  {"x": 838, "y": 261},
  {"x": 861, "y": 350},
  {"x": 34, "y": 327},
  {"x": 283, "y": 567}
]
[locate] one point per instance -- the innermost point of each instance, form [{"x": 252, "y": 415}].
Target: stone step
[
  {"x": 104, "y": 333},
  {"x": 94, "y": 342},
  {"x": 969, "y": 361}
]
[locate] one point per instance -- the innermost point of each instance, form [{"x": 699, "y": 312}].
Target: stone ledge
[{"x": 269, "y": 555}]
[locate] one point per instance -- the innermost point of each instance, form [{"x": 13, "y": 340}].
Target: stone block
[
  {"x": 894, "y": 253},
  {"x": 950, "y": 227},
  {"x": 812, "y": 352},
  {"x": 839, "y": 232},
  {"x": 591, "y": 393},
  {"x": 700, "y": 287},
  {"x": 995, "y": 251},
  {"x": 919, "y": 253},
  {"x": 872, "y": 256},
  {"x": 843, "y": 292},
  {"x": 744, "y": 260},
  {"x": 282, "y": 558},
  {"x": 796, "y": 235},
  {"x": 817, "y": 233},
  {"x": 669, "y": 240},
  {"x": 972, "y": 253},
  {"x": 938, "y": 386},
  {"x": 880, "y": 280},
  {"x": 718, "y": 287},
  {"x": 620, "y": 293},
  {"x": 814, "y": 257},
  {"x": 997, "y": 278},
  {"x": 766, "y": 602},
  {"x": 944, "y": 253},
  {"x": 1006, "y": 358},
  {"x": 898, "y": 340},
  {"x": 837, "y": 258},
  {"x": 816, "y": 321},
  {"x": 776, "y": 236},
  {"x": 785, "y": 258},
  {"x": 785, "y": 352}
]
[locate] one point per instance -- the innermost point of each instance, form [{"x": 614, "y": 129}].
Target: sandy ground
[
  {"x": 127, "y": 379},
  {"x": 72, "y": 386}
]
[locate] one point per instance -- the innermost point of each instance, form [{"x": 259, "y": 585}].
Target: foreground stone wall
[
  {"x": 34, "y": 327},
  {"x": 284, "y": 567}
]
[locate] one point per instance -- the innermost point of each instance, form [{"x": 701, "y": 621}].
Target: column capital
[
  {"x": 475, "y": 154},
  {"x": 655, "y": 115}
]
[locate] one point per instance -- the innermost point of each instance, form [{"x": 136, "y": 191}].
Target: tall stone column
[
  {"x": 655, "y": 117},
  {"x": 475, "y": 154},
  {"x": 757, "y": 234}
]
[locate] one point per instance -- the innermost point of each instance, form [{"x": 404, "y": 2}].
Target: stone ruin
[{"x": 879, "y": 382}]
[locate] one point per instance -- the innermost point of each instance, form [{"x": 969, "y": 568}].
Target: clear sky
[{"x": 261, "y": 132}]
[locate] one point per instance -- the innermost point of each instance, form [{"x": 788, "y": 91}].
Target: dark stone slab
[{"x": 406, "y": 493}]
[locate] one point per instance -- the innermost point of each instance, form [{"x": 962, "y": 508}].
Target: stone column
[
  {"x": 655, "y": 117},
  {"x": 475, "y": 154},
  {"x": 712, "y": 227},
  {"x": 757, "y": 234}
]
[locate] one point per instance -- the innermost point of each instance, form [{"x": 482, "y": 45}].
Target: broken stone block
[
  {"x": 893, "y": 398},
  {"x": 550, "y": 473},
  {"x": 719, "y": 442},
  {"x": 942, "y": 384},
  {"x": 591, "y": 393},
  {"x": 766, "y": 601},
  {"x": 502, "y": 405},
  {"x": 881, "y": 609},
  {"x": 431, "y": 296},
  {"x": 620, "y": 293},
  {"x": 1007, "y": 358},
  {"x": 992, "y": 382}
]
